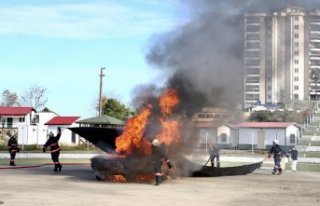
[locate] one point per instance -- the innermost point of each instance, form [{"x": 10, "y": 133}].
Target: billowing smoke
[{"x": 203, "y": 59}]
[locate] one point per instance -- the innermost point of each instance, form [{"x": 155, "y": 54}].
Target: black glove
[
  {"x": 44, "y": 149},
  {"x": 59, "y": 129}
]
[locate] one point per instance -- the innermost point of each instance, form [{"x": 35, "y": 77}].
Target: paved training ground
[{"x": 76, "y": 185}]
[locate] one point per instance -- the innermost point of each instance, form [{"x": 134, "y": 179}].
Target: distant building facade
[
  {"x": 281, "y": 51},
  {"x": 259, "y": 135}
]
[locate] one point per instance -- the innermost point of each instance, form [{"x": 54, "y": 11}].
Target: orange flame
[
  {"x": 170, "y": 133},
  {"x": 118, "y": 178},
  {"x": 168, "y": 101},
  {"x": 132, "y": 139},
  {"x": 170, "y": 128}
]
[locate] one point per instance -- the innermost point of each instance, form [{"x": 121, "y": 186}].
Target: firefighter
[
  {"x": 13, "y": 148},
  {"x": 159, "y": 156},
  {"x": 214, "y": 153},
  {"x": 277, "y": 153},
  {"x": 53, "y": 143},
  {"x": 294, "y": 158}
]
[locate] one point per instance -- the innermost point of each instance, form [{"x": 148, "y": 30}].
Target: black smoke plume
[{"x": 203, "y": 59}]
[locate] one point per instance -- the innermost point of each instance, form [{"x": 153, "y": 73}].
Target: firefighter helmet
[
  {"x": 276, "y": 141},
  {"x": 155, "y": 142}
]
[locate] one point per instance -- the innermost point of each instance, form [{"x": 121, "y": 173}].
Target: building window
[
  {"x": 73, "y": 138},
  {"x": 296, "y": 96},
  {"x": 296, "y": 35},
  {"x": 296, "y": 87},
  {"x": 296, "y": 53},
  {"x": 296, "y": 79},
  {"x": 296, "y": 44},
  {"x": 292, "y": 139},
  {"x": 201, "y": 116},
  {"x": 21, "y": 119},
  {"x": 296, "y": 70},
  {"x": 296, "y": 61},
  {"x": 296, "y": 26},
  {"x": 223, "y": 138},
  {"x": 296, "y": 18}
]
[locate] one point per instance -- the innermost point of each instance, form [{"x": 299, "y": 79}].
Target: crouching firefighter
[
  {"x": 13, "y": 148},
  {"x": 159, "y": 156},
  {"x": 53, "y": 144}
]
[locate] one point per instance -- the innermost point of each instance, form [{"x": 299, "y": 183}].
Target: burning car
[{"x": 129, "y": 150}]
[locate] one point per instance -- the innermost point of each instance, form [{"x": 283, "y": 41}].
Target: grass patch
[
  {"x": 312, "y": 143},
  {"x": 311, "y": 133},
  {"x": 309, "y": 154}
]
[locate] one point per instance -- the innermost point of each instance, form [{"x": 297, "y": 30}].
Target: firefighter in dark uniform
[
  {"x": 53, "y": 144},
  {"x": 277, "y": 153},
  {"x": 159, "y": 156},
  {"x": 13, "y": 148},
  {"x": 294, "y": 158},
  {"x": 214, "y": 153}
]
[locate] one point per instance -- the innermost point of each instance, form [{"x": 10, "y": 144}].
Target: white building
[
  {"x": 34, "y": 133},
  {"x": 11, "y": 117},
  {"x": 227, "y": 135},
  {"x": 67, "y": 136},
  {"x": 281, "y": 49},
  {"x": 261, "y": 134}
]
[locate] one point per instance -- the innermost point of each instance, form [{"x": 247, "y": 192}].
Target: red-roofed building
[
  {"x": 67, "y": 137},
  {"x": 261, "y": 134},
  {"x": 32, "y": 127},
  {"x": 62, "y": 120},
  {"x": 11, "y": 117}
]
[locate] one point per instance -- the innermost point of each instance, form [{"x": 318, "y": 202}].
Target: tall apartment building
[{"x": 281, "y": 48}]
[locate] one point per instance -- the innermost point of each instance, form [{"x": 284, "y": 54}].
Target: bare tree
[
  {"x": 34, "y": 97},
  {"x": 9, "y": 98}
]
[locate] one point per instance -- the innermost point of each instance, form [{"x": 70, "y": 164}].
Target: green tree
[
  {"x": 9, "y": 98},
  {"x": 116, "y": 109},
  {"x": 278, "y": 116}
]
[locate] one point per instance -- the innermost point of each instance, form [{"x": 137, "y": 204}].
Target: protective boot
[
  {"x": 59, "y": 167},
  {"x": 212, "y": 163},
  {"x": 158, "y": 180},
  {"x": 280, "y": 171},
  {"x": 12, "y": 163},
  {"x": 218, "y": 164},
  {"x": 55, "y": 168}
]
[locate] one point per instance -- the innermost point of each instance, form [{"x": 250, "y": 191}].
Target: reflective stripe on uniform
[{"x": 55, "y": 150}]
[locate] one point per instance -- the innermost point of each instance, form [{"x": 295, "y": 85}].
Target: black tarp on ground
[{"x": 207, "y": 171}]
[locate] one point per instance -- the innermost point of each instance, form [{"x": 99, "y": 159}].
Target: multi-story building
[
  {"x": 281, "y": 48},
  {"x": 314, "y": 53}
]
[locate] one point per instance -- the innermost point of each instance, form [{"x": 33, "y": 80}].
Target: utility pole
[{"x": 101, "y": 75}]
